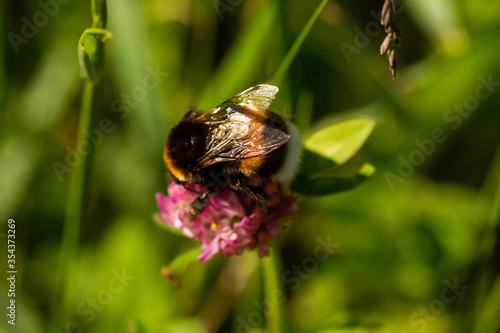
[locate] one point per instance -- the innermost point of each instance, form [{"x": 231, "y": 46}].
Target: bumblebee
[{"x": 237, "y": 144}]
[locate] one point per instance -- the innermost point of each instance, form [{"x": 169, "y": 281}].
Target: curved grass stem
[
  {"x": 90, "y": 107},
  {"x": 287, "y": 61}
]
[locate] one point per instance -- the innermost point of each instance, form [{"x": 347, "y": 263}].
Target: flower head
[{"x": 226, "y": 225}]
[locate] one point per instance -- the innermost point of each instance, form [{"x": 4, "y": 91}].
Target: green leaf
[
  {"x": 182, "y": 261},
  {"x": 335, "y": 181},
  {"x": 328, "y": 166},
  {"x": 179, "y": 265},
  {"x": 340, "y": 141}
]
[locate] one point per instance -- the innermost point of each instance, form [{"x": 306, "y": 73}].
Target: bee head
[{"x": 184, "y": 146}]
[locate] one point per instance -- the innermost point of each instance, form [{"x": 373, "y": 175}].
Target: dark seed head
[
  {"x": 385, "y": 8},
  {"x": 387, "y": 20},
  {"x": 385, "y": 44}
]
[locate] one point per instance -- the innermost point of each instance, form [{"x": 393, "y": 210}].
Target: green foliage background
[{"x": 398, "y": 241}]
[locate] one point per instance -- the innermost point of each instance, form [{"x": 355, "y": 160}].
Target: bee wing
[
  {"x": 239, "y": 132},
  {"x": 260, "y": 96},
  {"x": 256, "y": 97}
]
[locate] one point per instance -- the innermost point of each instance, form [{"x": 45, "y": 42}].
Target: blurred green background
[{"x": 427, "y": 220}]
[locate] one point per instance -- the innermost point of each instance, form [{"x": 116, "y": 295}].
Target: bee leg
[
  {"x": 255, "y": 192},
  {"x": 189, "y": 189},
  {"x": 250, "y": 196},
  {"x": 259, "y": 196},
  {"x": 199, "y": 204}
]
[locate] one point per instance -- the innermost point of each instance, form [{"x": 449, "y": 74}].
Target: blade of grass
[
  {"x": 487, "y": 319},
  {"x": 287, "y": 61},
  {"x": 273, "y": 290}
]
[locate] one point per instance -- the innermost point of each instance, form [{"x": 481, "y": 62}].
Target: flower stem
[
  {"x": 91, "y": 105},
  {"x": 287, "y": 61},
  {"x": 273, "y": 290},
  {"x": 74, "y": 206}
]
